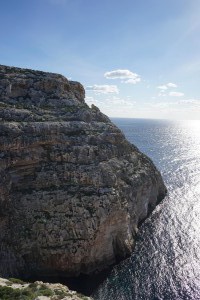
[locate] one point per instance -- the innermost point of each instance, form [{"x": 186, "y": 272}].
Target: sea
[{"x": 165, "y": 264}]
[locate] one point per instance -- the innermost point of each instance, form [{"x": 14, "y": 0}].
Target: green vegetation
[
  {"x": 16, "y": 280},
  {"x": 82, "y": 296},
  {"x": 7, "y": 293},
  {"x": 61, "y": 294},
  {"x": 28, "y": 293},
  {"x": 32, "y": 291}
]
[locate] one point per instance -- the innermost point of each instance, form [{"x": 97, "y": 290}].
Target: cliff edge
[{"x": 72, "y": 188}]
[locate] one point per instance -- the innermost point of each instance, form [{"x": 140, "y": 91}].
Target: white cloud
[
  {"x": 133, "y": 80},
  {"x": 162, "y": 94},
  {"x": 118, "y": 101},
  {"x": 165, "y": 87},
  {"x": 159, "y": 105},
  {"x": 194, "y": 102},
  {"x": 165, "y": 104},
  {"x": 162, "y": 87},
  {"x": 176, "y": 94},
  {"x": 129, "y": 76},
  {"x": 103, "y": 89},
  {"x": 173, "y": 85},
  {"x": 188, "y": 102}
]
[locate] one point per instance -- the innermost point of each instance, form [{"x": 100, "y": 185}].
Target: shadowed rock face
[{"x": 72, "y": 188}]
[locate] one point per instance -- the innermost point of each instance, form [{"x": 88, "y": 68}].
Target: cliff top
[{"x": 35, "y": 96}]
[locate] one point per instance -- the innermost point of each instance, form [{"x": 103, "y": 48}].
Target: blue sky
[{"x": 135, "y": 58}]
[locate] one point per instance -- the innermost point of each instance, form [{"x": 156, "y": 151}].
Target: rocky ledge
[{"x": 72, "y": 188}]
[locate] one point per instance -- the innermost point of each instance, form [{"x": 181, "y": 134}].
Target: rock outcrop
[{"x": 72, "y": 188}]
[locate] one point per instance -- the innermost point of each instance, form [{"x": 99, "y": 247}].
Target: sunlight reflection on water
[{"x": 166, "y": 261}]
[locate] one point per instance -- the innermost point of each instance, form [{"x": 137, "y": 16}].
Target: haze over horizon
[{"x": 136, "y": 59}]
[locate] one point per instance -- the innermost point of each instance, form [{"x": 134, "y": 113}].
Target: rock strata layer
[{"x": 72, "y": 188}]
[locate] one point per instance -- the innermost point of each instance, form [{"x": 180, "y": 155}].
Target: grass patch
[
  {"x": 61, "y": 294},
  {"x": 8, "y": 293},
  {"x": 28, "y": 293},
  {"x": 16, "y": 280},
  {"x": 82, "y": 296}
]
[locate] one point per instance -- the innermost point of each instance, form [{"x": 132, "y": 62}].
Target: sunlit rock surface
[{"x": 72, "y": 188}]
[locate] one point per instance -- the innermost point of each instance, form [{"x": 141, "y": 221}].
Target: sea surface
[{"x": 166, "y": 260}]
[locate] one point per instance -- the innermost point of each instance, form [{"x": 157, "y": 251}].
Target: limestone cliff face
[{"x": 72, "y": 188}]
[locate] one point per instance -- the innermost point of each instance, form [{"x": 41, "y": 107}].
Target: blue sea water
[{"x": 165, "y": 264}]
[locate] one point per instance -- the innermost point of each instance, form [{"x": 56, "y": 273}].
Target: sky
[{"x": 135, "y": 58}]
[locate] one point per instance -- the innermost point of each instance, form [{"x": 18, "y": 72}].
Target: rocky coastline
[{"x": 72, "y": 188}]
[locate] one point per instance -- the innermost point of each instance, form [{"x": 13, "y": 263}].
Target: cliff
[{"x": 72, "y": 188}]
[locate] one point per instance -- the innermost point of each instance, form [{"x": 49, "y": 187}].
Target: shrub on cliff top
[{"x": 28, "y": 293}]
